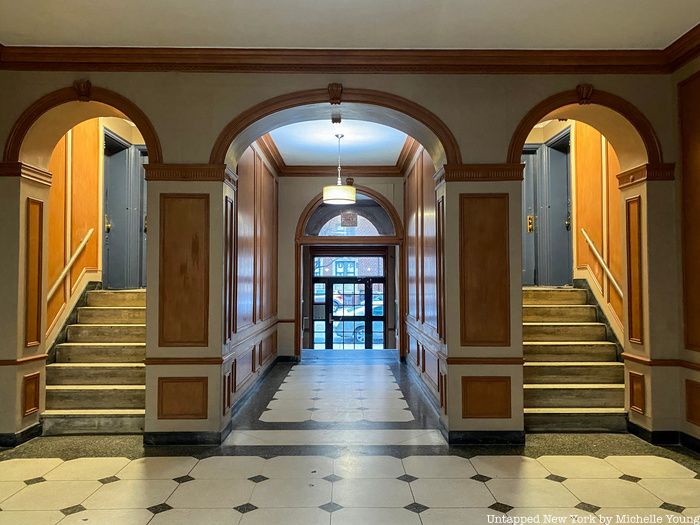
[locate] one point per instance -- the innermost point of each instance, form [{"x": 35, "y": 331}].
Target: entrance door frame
[{"x": 301, "y": 240}]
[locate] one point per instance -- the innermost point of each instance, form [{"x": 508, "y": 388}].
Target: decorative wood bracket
[
  {"x": 335, "y": 93},
  {"x": 584, "y": 92},
  {"x": 84, "y": 90}
]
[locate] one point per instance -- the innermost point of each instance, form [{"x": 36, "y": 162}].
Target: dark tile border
[
  {"x": 486, "y": 437},
  {"x": 13, "y": 439}
]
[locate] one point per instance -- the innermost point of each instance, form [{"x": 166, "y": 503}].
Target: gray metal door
[
  {"x": 531, "y": 161},
  {"x": 124, "y": 264}
]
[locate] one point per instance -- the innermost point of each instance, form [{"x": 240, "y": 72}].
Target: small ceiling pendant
[{"x": 339, "y": 193}]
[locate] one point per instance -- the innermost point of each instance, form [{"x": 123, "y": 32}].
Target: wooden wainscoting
[
  {"x": 633, "y": 213},
  {"x": 183, "y": 397},
  {"x": 486, "y": 397},
  {"x": 33, "y": 269},
  {"x": 484, "y": 269},
  {"x": 637, "y": 392},
  {"x": 183, "y": 318},
  {"x": 31, "y": 393},
  {"x": 692, "y": 401}
]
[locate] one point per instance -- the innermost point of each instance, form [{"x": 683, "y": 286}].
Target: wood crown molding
[
  {"x": 480, "y": 173},
  {"x": 643, "y": 360},
  {"x": 423, "y": 61},
  {"x": 187, "y": 172},
  {"x": 25, "y": 171},
  {"x": 646, "y": 173}
]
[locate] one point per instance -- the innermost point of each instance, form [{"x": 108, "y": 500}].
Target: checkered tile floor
[{"x": 350, "y": 489}]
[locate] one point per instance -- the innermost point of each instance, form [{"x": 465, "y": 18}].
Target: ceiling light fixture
[{"x": 339, "y": 193}]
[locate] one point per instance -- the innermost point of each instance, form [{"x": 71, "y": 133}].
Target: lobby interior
[{"x": 434, "y": 267}]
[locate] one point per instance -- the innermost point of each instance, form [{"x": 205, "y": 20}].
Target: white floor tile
[
  {"x": 649, "y": 467},
  {"x": 438, "y": 467},
  {"x": 651, "y": 515},
  {"x": 447, "y": 493},
  {"x": 286, "y": 517},
  {"x": 457, "y": 516},
  {"x": 211, "y": 494},
  {"x": 23, "y": 469},
  {"x": 8, "y": 488},
  {"x": 337, "y": 416},
  {"x": 368, "y": 467},
  {"x": 285, "y": 416},
  {"x": 51, "y": 495},
  {"x": 87, "y": 469},
  {"x": 532, "y": 493},
  {"x": 277, "y": 493},
  {"x": 548, "y": 515},
  {"x": 109, "y": 517},
  {"x": 298, "y": 467},
  {"x": 31, "y": 517},
  {"x": 197, "y": 517},
  {"x": 375, "y": 516},
  {"x": 583, "y": 467},
  {"x": 684, "y": 492},
  {"x": 612, "y": 493},
  {"x": 229, "y": 467},
  {"x": 290, "y": 404},
  {"x": 372, "y": 493},
  {"x": 509, "y": 467},
  {"x": 157, "y": 468},
  {"x": 131, "y": 494}
]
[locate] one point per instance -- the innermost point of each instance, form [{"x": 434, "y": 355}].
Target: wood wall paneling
[
  {"x": 486, "y": 397},
  {"x": 637, "y": 392},
  {"x": 245, "y": 240},
  {"x": 183, "y": 318},
  {"x": 412, "y": 225},
  {"x": 692, "y": 401},
  {"x": 183, "y": 397},
  {"x": 635, "y": 322},
  {"x": 31, "y": 393},
  {"x": 245, "y": 364},
  {"x": 615, "y": 242},
  {"x": 589, "y": 196},
  {"x": 33, "y": 269},
  {"x": 440, "y": 214},
  {"x": 689, "y": 105},
  {"x": 57, "y": 253},
  {"x": 229, "y": 268},
  {"x": 429, "y": 245},
  {"x": 484, "y": 270},
  {"x": 430, "y": 366},
  {"x": 85, "y": 195}
]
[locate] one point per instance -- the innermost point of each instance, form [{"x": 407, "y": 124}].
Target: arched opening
[
  {"x": 90, "y": 145},
  {"x": 580, "y": 232}
]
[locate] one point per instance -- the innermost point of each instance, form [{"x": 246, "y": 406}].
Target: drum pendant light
[{"x": 339, "y": 193}]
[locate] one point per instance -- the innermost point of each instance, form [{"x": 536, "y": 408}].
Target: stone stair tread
[
  {"x": 96, "y": 365},
  {"x": 96, "y": 387},
  {"x": 574, "y": 363},
  {"x": 568, "y": 343},
  {"x": 573, "y": 386},
  {"x": 81, "y": 412},
  {"x": 526, "y": 305},
  {"x": 100, "y": 343},
  {"x": 98, "y": 325},
  {"x": 576, "y": 410},
  {"x": 562, "y": 323}
]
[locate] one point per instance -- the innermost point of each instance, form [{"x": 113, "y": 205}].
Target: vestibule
[{"x": 224, "y": 296}]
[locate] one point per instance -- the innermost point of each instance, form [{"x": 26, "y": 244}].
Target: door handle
[
  {"x": 530, "y": 223},
  {"x": 567, "y": 222},
  {"x": 108, "y": 224}
]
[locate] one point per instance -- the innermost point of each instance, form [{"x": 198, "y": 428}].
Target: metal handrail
[
  {"x": 70, "y": 264},
  {"x": 602, "y": 262}
]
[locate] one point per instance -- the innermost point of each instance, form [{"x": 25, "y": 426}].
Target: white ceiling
[
  {"x": 410, "y": 24},
  {"x": 313, "y": 143}
]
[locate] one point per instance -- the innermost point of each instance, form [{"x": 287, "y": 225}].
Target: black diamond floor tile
[
  {"x": 587, "y": 507},
  {"x": 332, "y": 478},
  {"x": 501, "y": 507},
  {"x": 480, "y": 477},
  {"x": 407, "y": 478},
  {"x": 34, "y": 481},
  {"x": 554, "y": 477},
  {"x": 671, "y": 507},
  {"x": 245, "y": 508},
  {"x": 330, "y": 507},
  {"x": 258, "y": 479},
  {"x": 627, "y": 477},
  {"x": 162, "y": 507},
  {"x": 183, "y": 479},
  {"x": 110, "y": 479},
  {"x": 72, "y": 510},
  {"x": 416, "y": 507}
]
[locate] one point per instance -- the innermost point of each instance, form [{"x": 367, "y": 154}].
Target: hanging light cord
[{"x": 339, "y": 136}]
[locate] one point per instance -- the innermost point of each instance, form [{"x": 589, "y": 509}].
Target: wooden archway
[
  {"x": 586, "y": 94},
  {"x": 396, "y": 240},
  {"x": 335, "y": 94},
  {"x": 82, "y": 91}
]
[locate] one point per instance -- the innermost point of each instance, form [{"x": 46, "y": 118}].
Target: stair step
[
  {"x": 95, "y": 374},
  {"x": 95, "y": 396},
  {"x": 573, "y": 372},
  {"x": 571, "y": 395},
  {"x": 107, "y": 333},
  {"x": 583, "y": 419},
  {"x": 112, "y": 314},
  {"x": 559, "y": 313},
  {"x": 554, "y": 296},
  {"x": 564, "y": 332},
  {"x": 544, "y": 351},
  {"x": 100, "y": 352},
  {"x": 85, "y": 421},
  {"x": 116, "y": 298}
]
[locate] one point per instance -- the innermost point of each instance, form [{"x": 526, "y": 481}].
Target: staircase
[
  {"x": 573, "y": 382},
  {"x": 97, "y": 384}
]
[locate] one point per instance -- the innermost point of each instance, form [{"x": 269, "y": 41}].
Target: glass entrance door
[{"x": 348, "y": 312}]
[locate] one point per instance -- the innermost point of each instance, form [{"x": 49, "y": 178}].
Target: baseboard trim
[
  {"x": 655, "y": 437},
  {"x": 690, "y": 442},
  {"x": 486, "y": 437},
  {"x": 17, "y": 438}
]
